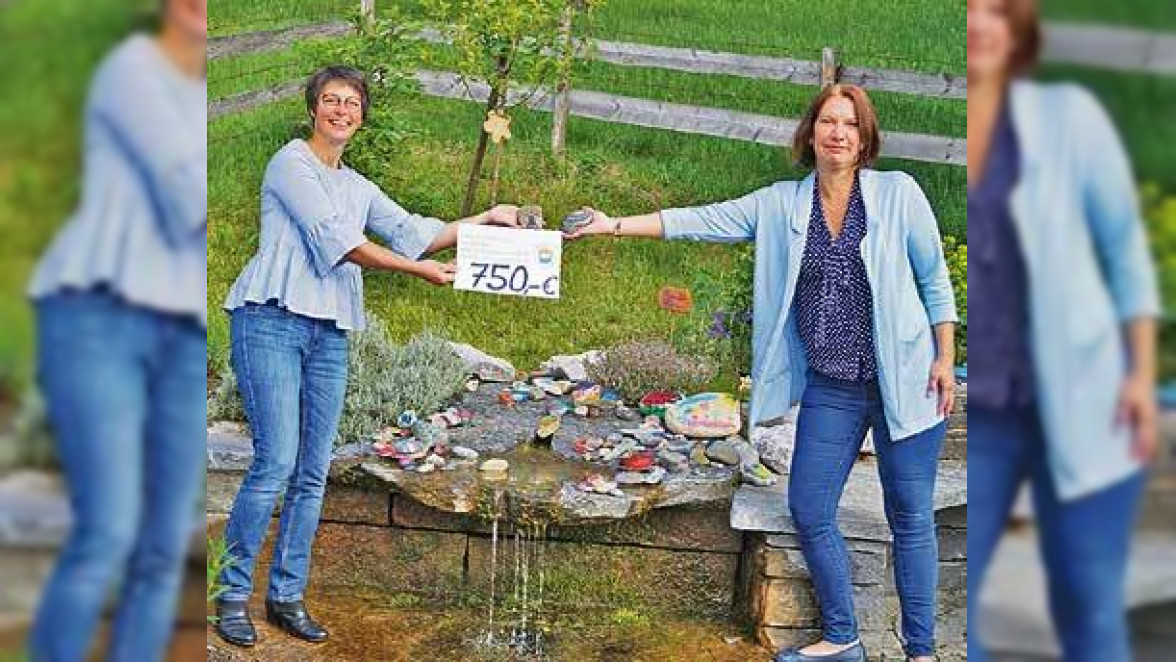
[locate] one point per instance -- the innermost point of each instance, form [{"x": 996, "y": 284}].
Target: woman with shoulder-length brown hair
[
  {"x": 1063, "y": 299},
  {"x": 854, "y": 319}
]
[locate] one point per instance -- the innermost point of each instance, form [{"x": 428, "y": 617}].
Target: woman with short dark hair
[
  {"x": 1064, "y": 302},
  {"x": 854, "y": 318},
  {"x": 121, "y": 346},
  {"x": 292, "y": 307}
]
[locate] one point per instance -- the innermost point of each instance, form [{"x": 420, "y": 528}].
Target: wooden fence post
[
  {"x": 367, "y": 9},
  {"x": 828, "y": 67}
]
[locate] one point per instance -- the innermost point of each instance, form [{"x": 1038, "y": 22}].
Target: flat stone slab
[
  {"x": 539, "y": 484},
  {"x": 545, "y": 490},
  {"x": 1014, "y": 603},
  {"x": 34, "y": 511},
  {"x": 229, "y": 447},
  {"x": 702, "y": 528},
  {"x": 862, "y": 513}
]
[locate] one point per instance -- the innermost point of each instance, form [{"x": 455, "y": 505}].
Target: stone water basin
[
  {"x": 540, "y": 483},
  {"x": 540, "y": 486}
]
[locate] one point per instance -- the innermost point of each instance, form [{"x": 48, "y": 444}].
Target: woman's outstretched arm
[{"x": 645, "y": 225}]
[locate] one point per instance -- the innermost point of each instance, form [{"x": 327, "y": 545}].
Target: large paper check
[{"x": 508, "y": 261}]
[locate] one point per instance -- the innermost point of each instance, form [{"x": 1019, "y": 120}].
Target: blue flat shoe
[{"x": 855, "y": 653}]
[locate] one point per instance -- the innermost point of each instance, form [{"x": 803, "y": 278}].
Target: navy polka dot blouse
[{"x": 833, "y": 306}]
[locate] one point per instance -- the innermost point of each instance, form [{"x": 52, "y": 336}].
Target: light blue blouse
[
  {"x": 909, "y": 284},
  {"x": 140, "y": 226},
  {"x": 311, "y": 217}
]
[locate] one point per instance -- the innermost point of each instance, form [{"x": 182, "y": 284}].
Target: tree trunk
[
  {"x": 475, "y": 177},
  {"x": 563, "y": 102}
]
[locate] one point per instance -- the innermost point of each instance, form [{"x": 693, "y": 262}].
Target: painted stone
[
  {"x": 494, "y": 468},
  {"x": 706, "y": 415},
  {"x": 638, "y": 461},
  {"x": 576, "y": 220},
  {"x": 675, "y": 299}
]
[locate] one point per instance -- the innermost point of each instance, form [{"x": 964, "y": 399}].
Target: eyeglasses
[{"x": 332, "y": 101}]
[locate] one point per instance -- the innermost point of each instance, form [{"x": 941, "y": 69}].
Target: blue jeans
[
  {"x": 292, "y": 374},
  {"x": 834, "y": 417},
  {"x": 1084, "y": 543},
  {"x": 125, "y": 391}
]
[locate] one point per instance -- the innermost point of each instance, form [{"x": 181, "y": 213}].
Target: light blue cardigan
[
  {"x": 1077, "y": 218},
  {"x": 908, "y": 279}
]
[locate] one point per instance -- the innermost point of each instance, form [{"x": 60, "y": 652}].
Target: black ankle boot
[
  {"x": 233, "y": 623},
  {"x": 292, "y": 617}
]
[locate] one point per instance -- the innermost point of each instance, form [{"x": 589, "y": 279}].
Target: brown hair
[
  {"x": 802, "y": 149},
  {"x": 1025, "y": 27}
]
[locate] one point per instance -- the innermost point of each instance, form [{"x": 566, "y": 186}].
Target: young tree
[
  {"x": 572, "y": 49},
  {"x": 509, "y": 44}
]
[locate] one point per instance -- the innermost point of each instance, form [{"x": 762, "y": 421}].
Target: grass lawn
[
  {"x": 924, "y": 35},
  {"x": 40, "y": 132},
  {"x": 609, "y": 288},
  {"x": 1142, "y": 107},
  {"x": 1145, "y": 14},
  {"x": 231, "y": 16},
  {"x": 233, "y": 75}
]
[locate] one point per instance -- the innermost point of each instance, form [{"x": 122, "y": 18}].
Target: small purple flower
[{"x": 718, "y": 327}]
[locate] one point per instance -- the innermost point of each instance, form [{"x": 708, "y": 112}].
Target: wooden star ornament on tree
[{"x": 497, "y": 125}]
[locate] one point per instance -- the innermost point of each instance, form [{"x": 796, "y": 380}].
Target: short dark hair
[
  {"x": 802, "y": 149},
  {"x": 336, "y": 72},
  {"x": 1025, "y": 26}
]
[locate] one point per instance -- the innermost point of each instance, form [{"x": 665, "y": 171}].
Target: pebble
[
  {"x": 723, "y": 451},
  {"x": 620, "y": 449},
  {"x": 598, "y": 484},
  {"x": 588, "y": 395},
  {"x": 625, "y": 413},
  {"x": 641, "y": 477},
  {"x": 464, "y": 452},
  {"x": 705, "y": 415},
  {"x": 548, "y": 425},
  {"x": 674, "y": 461},
  {"x": 495, "y": 464},
  {"x": 406, "y": 419},
  {"x": 638, "y": 461},
  {"x": 411, "y": 447},
  {"x": 698, "y": 455},
  {"x": 758, "y": 475},
  {"x": 576, "y": 220}
]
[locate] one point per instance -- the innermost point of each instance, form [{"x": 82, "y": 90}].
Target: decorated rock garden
[{"x": 581, "y": 486}]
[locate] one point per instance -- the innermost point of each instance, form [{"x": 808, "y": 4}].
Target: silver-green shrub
[
  {"x": 383, "y": 380},
  {"x": 636, "y": 368}
]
